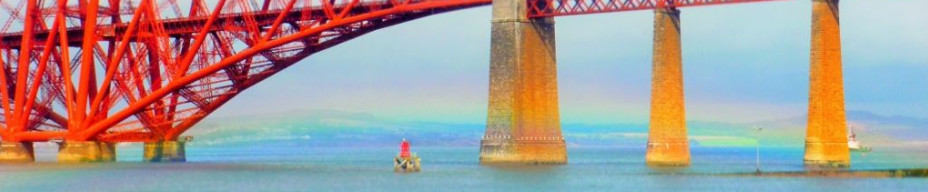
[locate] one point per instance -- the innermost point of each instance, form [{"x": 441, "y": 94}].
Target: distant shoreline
[{"x": 844, "y": 173}]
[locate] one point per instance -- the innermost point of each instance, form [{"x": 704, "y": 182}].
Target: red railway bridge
[{"x": 90, "y": 73}]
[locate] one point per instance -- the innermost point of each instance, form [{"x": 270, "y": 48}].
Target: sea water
[{"x": 299, "y": 168}]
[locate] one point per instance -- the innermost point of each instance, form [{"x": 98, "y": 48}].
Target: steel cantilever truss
[{"x": 146, "y": 70}]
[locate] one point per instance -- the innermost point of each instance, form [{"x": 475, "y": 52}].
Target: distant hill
[
  {"x": 331, "y": 128},
  {"x": 338, "y": 128}
]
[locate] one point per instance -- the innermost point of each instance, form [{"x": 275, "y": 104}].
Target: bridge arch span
[{"x": 369, "y": 22}]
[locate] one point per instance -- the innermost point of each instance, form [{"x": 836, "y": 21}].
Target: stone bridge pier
[
  {"x": 165, "y": 151},
  {"x": 68, "y": 152},
  {"x": 826, "y": 134},
  {"x": 667, "y": 142},
  {"x": 523, "y": 123},
  {"x": 16, "y": 152},
  {"x": 93, "y": 151},
  {"x": 86, "y": 151}
]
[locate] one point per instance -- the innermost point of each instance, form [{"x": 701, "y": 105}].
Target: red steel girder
[{"x": 549, "y": 8}]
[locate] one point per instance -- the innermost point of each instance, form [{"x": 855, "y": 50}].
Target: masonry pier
[
  {"x": 165, "y": 151},
  {"x": 16, "y": 152},
  {"x": 667, "y": 142},
  {"x": 523, "y": 123},
  {"x": 826, "y": 134},
  {"x": 86, "y": 151}
]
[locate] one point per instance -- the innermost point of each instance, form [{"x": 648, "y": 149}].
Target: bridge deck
[{"x": 537, "y": 8}]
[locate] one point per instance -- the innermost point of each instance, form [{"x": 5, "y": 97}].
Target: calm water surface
[{"x": 290, "y": 168}]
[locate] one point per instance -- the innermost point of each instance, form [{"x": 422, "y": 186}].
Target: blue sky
[{"x": 742, "y": 63}]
